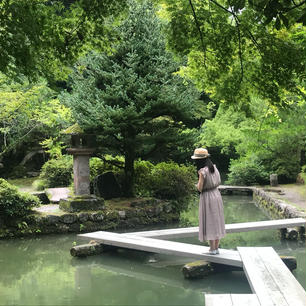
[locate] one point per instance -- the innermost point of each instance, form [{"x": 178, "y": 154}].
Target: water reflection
[{"x": 41, "y": 271}]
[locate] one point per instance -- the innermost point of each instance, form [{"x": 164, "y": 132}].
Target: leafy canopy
[
  {"x": 28, "y": 114},
  {"x": 42, "y": 37},
  {"x": 234, "y": 51}
]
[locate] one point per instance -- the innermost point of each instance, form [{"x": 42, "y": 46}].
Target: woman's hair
[{"x": 205, "y": 162}]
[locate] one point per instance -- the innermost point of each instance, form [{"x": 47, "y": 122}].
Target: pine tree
[{"x": 132, "y": 98}]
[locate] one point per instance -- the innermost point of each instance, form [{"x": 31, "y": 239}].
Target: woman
[{"x": 211, "y": 216}]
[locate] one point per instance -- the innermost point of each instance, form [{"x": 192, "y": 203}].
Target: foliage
[
  {"x": 44, "y": 38},
  {"x": 233, "y": 49},
  {"x": 53, "y": 147},
  {"x": 247, "y": 171},
  {"x": 29, "y": 113},
  {"x": 99, "y": 166},
  {"x": 57, "y": 172},
  {"x": 225, "y": 130},
  {"x": 143, "y": 172},
  {"x": 133, "y": 98},
  {"x": 269, "y": 141},
  {"x": 171, "y": 181},
  {"x": 14, "y": 203}
]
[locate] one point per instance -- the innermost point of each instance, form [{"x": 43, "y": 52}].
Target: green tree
[
  {"x": 271, "y": 140},
  {"x": 29, "y": 113},
  {"x": 235, "y": 50},
  {"x": 43, "y": 37},
  {"x": 133, "y": 98}
]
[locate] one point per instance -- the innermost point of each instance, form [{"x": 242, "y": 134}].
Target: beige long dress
[{"x": 211, "y": 216}]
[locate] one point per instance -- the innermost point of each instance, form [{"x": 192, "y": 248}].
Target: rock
[
  {"x": 62, "y": 228},
  {"x": 83, "y": 217},
  {"x": 202, "y": 268},
  {"x": 81, "y": 203},
  {"x": 92, "y": 248},
  {"x": 292, "y": 234},
  {"x": 56, "y": 194},
  {"x": 86, "y": 250},
  {"x": 52, "y": 219},
  {"x": 197, "y": 269},
  {"x": 41, "y": 196},
  {"x": 68, "y": 218},
  {"x": 122, "y": 214},
  {"x": 106, "y": 186},
  {"x": 96, "y": 217},
  {"x": 273, "y": 180}
]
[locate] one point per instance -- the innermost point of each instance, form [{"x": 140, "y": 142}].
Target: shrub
[
  {"x": 14, "y": 203},
  {"x": 142, "y": 184},
  {"x": 39, "y": 184},
  {"x": 18, "y": 172},
  {"x": 247, "y": 171},
  {"x": 99, "y": 166},
  {"x": 57, "y": 172},
  {"x": 169, "y": 180}
]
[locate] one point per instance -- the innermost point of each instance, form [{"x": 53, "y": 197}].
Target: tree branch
[
  {"x": 288, "y": 9},
  {"x": 199, "y": 29},
  {"x": 236, "y": 17},
  {"x": 239, "y": 45}
]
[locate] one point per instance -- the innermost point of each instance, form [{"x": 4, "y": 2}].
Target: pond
[{"x": 40, "y": 271}]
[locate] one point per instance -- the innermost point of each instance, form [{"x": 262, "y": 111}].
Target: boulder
[{"x": 106, "y": 186}]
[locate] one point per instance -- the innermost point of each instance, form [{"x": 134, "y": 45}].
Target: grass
[{"x": 24, "y": 184}]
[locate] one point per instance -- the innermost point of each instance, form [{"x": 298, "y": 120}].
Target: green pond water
[{"x": 40, "y": 271}]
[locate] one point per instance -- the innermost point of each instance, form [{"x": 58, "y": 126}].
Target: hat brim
[{"x": 199, "y": 157}]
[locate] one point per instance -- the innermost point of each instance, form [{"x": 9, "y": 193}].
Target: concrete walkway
[
  {"x": 293, "y": 194},
  {"x": 55, "y": 194}
]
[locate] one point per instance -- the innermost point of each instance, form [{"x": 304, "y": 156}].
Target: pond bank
[
  {"x": 117, "y": 214},
  {"x": 130, "y": 213}
]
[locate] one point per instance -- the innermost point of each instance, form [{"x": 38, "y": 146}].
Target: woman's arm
[{"x": 200, "y": 182}]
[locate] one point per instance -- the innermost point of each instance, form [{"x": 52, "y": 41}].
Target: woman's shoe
[
  {"x": 217, "y": 251},
  {"x": 212, "y": 252}
]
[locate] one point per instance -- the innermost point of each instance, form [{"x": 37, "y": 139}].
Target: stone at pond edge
[
  {"x": 89, "y": 249},
  {"x": 197, "y": 269},
  {"x": 202, "y": 268},
  {"x": 68, "y": 218},
  {"x": 81, "y": 203}
]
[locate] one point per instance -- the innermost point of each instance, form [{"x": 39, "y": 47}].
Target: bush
[
  {"x": 99, "y": 166},
  {"x": 142, "y": 184},
  {"x": 14, "y": 203},
  {"x": 39, "y": 184},
  {"x": 247, "y": 171},
  {"x": 171, "y": 181},
  {"x": 57, "y": 172},
  {"x": 18, "y": 172}
]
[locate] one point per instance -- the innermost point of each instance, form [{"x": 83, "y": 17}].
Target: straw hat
[{"x": 200, "y": 153}]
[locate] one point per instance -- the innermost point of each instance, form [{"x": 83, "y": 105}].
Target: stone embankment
[
  {"x": 49, "y": 219},
  {"x": 275, "y": 207}
]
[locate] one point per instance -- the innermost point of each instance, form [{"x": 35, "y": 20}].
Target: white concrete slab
[
  {"x": 227, "y": 257},
  {"x": 230, "y": 228},
  {"x": 270, "y": 279}
]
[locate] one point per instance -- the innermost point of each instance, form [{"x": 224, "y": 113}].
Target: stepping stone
[{"x": 56, "y": 194}]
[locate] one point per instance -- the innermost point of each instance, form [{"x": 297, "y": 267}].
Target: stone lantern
[
  {"x": 81, "y": 149},
  {"x": 82, "y": 146}
]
